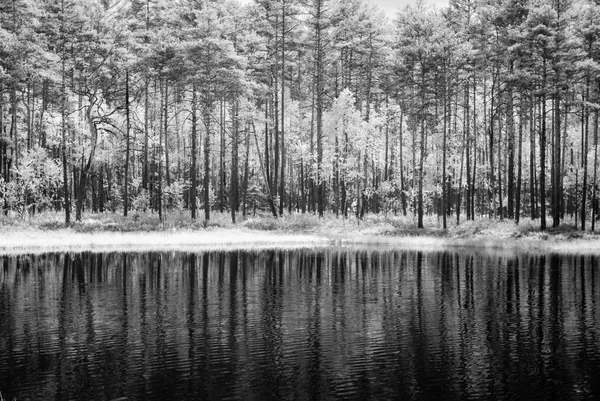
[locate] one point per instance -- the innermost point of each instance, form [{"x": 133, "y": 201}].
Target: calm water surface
[{"x": 308, "y": 324}]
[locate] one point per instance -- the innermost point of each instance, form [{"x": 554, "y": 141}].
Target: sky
[{"x": 391, "y": 6}]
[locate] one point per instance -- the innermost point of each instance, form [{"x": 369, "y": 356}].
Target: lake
[{"x": 302, "y": 324}]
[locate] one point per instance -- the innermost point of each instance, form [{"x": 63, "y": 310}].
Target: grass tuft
[{"x": 387, "y": 225}]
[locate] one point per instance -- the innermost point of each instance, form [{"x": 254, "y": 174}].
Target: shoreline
[{"x": 37, "y": 241}]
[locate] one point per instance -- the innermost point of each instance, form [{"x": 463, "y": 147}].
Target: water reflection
[{"x": 334, "y": 324}]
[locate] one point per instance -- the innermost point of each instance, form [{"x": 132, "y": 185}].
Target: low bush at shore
[{"x": 372, "y": 225}]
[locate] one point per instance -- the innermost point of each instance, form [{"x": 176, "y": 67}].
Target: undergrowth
[{"x": 371, "y": 224}]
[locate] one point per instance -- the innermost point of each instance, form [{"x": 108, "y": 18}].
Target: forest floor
[{"x": 47, "y": 232}]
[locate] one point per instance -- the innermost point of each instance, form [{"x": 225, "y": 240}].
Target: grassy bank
[{"x": 178, "y": 231}]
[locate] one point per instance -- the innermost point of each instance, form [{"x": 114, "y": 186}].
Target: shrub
[
  {"x": 264, "y": 224},
  {"x": 141, "y": 202}
]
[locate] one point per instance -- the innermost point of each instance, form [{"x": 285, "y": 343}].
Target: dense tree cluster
[{"x": 484, "y": 108}]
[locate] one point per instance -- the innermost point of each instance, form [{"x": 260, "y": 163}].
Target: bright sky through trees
[{"x": 392, "y": 6}]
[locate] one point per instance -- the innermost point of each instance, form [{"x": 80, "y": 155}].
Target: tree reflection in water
[{"x": 301, "y": 324}]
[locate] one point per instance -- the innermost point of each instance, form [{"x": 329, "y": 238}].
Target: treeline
[{"x": 484, "y": 108}]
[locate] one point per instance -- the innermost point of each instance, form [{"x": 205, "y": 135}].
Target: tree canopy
[{"x": 309, "y": 106}]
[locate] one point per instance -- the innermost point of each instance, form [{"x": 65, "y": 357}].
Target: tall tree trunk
[
  {"x": 511, "y": 154},
  {"x": 467, "y": 130},
  {"x": 166, "y": 134},
  {"x": 421, "y": 156},
  {"x": 2, "y": 144},
  {"x": 474, "y": 135},
  {"x": 127, "y": 145},
  {"x": 336, "y": 177},
  {"x": 159, "y": 163},
  {"x": 464, "y": 147},
  {"x": 595, "y": 180},
  {"x": 246, "y": 170},
  {"x": 584, "y": 152},
  {"x": 86, "y": 165},
  {"x": 14, "y": 131},
  {"x": 312, "y": 193},
  {"x": 233, "y": 188},
  {"x": 543, "y": 154},
  {"x": 520, "y": 162},
  {"x": 67, "y": 203},
  {"x": 532, "y": 165},
  {"x": 275, "y": 111},
  {"x": 282, "y": 175},
  {"x": 556, "y": 157},
  {"x": 263, "y": 169},
  {"x": 145, "y": 170},
  {"x": 267, "y": 165},
  {"x": 401, "y": 165},
  {"x": 302, "y": 187},
  {"x": 207, "y": 124},
  {"x": 222, "y": 156},
  {"x": 444, "y": 189},
  {"x": 319, "y": 108},
  {"x": 194, "y": 140},
  {"x": 491, "y": 155},
  {"x": 500, "y": 211}
]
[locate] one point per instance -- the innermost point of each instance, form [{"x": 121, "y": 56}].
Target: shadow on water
[{"x": 301, "y": 324}]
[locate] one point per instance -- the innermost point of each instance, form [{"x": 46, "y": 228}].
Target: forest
[{"x": 484, "y": 108}]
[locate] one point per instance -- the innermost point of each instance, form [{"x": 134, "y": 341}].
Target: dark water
[{"x": 330, "y": 324}]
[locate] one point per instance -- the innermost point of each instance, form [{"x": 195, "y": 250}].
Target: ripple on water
[{"x": 326, "y": 324}]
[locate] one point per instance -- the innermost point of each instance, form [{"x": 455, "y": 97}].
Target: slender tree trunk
[
  {"x": 233, "y": 195},
  {"x": 101, "y": 193},
  {"x": 14, "y": 129},
  {"x": 491, "y": 155},
  {"x": 302, "y": 187},
  {"x": 336, "y": 177},
  {"x": 86, "y": 165},
  {"x": 543, "y": 155},
  {"x": 282, "y": 175},
  {"x": 386, "y": 161},
  {"x": 556, "y": 157},
  {"x": 246, "y": 170},
  {"x": 222, "y": 156},
  {"x": 520, "y": 163},
  {"x": 271, "y": 201},
  {"x": 500, "y": 211},
  {"x": 474, "y": 135},
  {"x": 267, "y": 165},
  {"x": 2, "y": 144},
  {"x": 467, "y": 129},
  {"x": 127, "y": 145},
  {"x": 422, "y": 156},
  {"x": 460, "y": 177},
  {"x": 532, "y": 165},
  {"x": 584, "y": 156},
  {"x": 145, "y": 170},
  {"x": 444, "y": 189},
  {"x": 511, "y": 155},
  {"x": 207, "y": 108},
  {"x": 159, "y": 191},
  {"x": 166, "y": 134},
  {"x": 319, "y": 109},
  {"x": 414, "y": 167},
  {"x": 67, "y": 203},
  {"x": 564, "y": 154},
  {"x": 194, "y": 167},
  {"x": 595, "y": 180}
]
